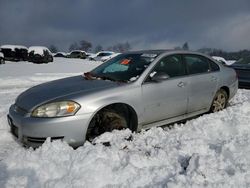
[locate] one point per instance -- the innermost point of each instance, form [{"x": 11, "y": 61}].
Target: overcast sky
[{"x": 145, "y": 24}]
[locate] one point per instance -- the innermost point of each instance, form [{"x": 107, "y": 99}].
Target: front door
[{"x": 166, "y": 98}]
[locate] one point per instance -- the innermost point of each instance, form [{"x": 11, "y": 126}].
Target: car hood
[{"x": 53, "y": 90}]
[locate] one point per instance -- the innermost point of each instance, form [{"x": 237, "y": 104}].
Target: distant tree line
[
  {"x": 227, "y": 55},
  {"x": 87, "y": 46},
  {"x": 123, "y": 47},
  {"x": 218, "y": 52}
]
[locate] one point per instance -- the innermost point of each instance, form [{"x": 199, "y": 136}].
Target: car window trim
[
  {"x": 209, "y": 62},
  {"x": 197, "y": 55},
  {"x": 170, "y": 78}
]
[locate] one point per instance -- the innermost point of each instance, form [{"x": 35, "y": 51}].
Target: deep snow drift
[{"x": 212, "y": 150}]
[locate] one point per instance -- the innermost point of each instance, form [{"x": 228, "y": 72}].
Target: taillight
[{"x": 236, "y": 74}]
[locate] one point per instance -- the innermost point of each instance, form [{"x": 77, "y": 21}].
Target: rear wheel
[
  {"x": 106, "y": 121},
  {"x": 220, "y": 101}
]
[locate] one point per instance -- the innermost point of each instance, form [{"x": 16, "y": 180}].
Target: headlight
[{"x": 56, "y": 109}]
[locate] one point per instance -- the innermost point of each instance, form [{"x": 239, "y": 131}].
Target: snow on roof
[
  {"x": 218, "y": 58},
  {"x": 13, "y": 47},
  {"x": 38, "y": 49}
]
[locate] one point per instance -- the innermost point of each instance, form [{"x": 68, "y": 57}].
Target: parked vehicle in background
[
  {"x": 242, "y": 67},
  {"x": 103, "y": 56},
  {"x": 89, "y": 55},
  {"x": 220, "y": 59},
  {"x": 134, "y": 90},
  {"x": 39, "y": 54},
  {"x": 1, "y": 58},
  {"x": 15, "y": 52},
  {"x": 77, "y": 54},
  {"x": 60, "y": 54}
]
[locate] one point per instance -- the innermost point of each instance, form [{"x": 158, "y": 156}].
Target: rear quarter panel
[{"x": 228, "y": 78}]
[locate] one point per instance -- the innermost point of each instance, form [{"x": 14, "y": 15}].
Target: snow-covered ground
[{"x": 212, "y": 150}]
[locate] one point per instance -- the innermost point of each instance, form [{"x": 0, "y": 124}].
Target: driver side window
[{"x": 171, "y": 65}]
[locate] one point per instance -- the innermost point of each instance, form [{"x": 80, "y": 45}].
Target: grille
[{"x": 43, "y": 139}]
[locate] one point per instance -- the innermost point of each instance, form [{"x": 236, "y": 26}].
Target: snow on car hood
[{"x": 53, "y": 90}]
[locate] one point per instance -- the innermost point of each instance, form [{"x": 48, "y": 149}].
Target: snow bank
[{"x": 212, "y": 150}]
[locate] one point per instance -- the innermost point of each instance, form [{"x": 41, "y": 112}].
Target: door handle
[{"x": 181, "y": 84}]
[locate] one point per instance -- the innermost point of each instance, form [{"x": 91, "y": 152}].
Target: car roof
[
  {"x": 158, "y": 52},
  {"x": 78, "y": 51},
  {"x": 165, "y": 51}
]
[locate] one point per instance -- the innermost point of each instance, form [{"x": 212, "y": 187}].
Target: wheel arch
[
  {"x": 225, "y": 88},
  {"x": 133, "y": 116}
]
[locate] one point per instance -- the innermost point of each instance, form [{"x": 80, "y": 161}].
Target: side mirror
[{"x": 159, "y": 76}]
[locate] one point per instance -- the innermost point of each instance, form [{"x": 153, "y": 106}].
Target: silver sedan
[{"x": 135, "y": 90}]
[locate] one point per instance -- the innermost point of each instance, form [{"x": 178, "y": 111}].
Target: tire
[
  {"x": 106, "y": 121},
  {"x": 220, "y": 101}
]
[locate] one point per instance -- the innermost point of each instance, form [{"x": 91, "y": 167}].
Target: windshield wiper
[
  {"x": 106, "y": 78},
  {"x": 91, "y": 76}
]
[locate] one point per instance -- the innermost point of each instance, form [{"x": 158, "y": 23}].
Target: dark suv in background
[
  {"x": 242, "y": 68},
  {"x": 39, "y": 54},
  {"x": 15, "y": 52}
]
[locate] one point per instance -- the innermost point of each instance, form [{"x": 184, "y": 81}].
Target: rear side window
[
  {"x": 196, "y": 64},
  {"x": 213, "y": 66}
]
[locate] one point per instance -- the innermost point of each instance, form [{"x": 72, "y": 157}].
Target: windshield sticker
[
  {"x": 149, "y": 55},
  {"x": 125, "y": 62}
]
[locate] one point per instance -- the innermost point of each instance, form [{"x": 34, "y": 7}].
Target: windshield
[
  {"x": 245, "y": 61},
  {"x": 103, "y": 54},
  {"x": 124, "y": 67},
  {"x": 75, "y": 53}
]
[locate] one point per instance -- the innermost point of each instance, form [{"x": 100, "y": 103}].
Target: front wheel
[
  {"x": 220, "y": 101},
  {"x": 106, "y": 121}
]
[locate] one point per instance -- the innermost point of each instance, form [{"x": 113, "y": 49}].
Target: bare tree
[
  {"x": 85, "y": 45},
  {"x": 120, "y": 47},
  {"x": 53, "y": 48},
  {"x": 185, "y": 46},
  {"x": 98, "y": 48},
  {"x": 74, "y": 46}
]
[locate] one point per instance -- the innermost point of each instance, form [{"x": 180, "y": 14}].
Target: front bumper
[{"x": 32, "y": 132}]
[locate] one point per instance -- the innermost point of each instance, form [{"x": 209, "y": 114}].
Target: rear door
[
  {"x": 168, "y": 98},
  {"x": 203, "y": 81}
]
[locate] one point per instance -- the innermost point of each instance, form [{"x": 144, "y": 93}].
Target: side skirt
[{"x": 171, "y": 120}]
